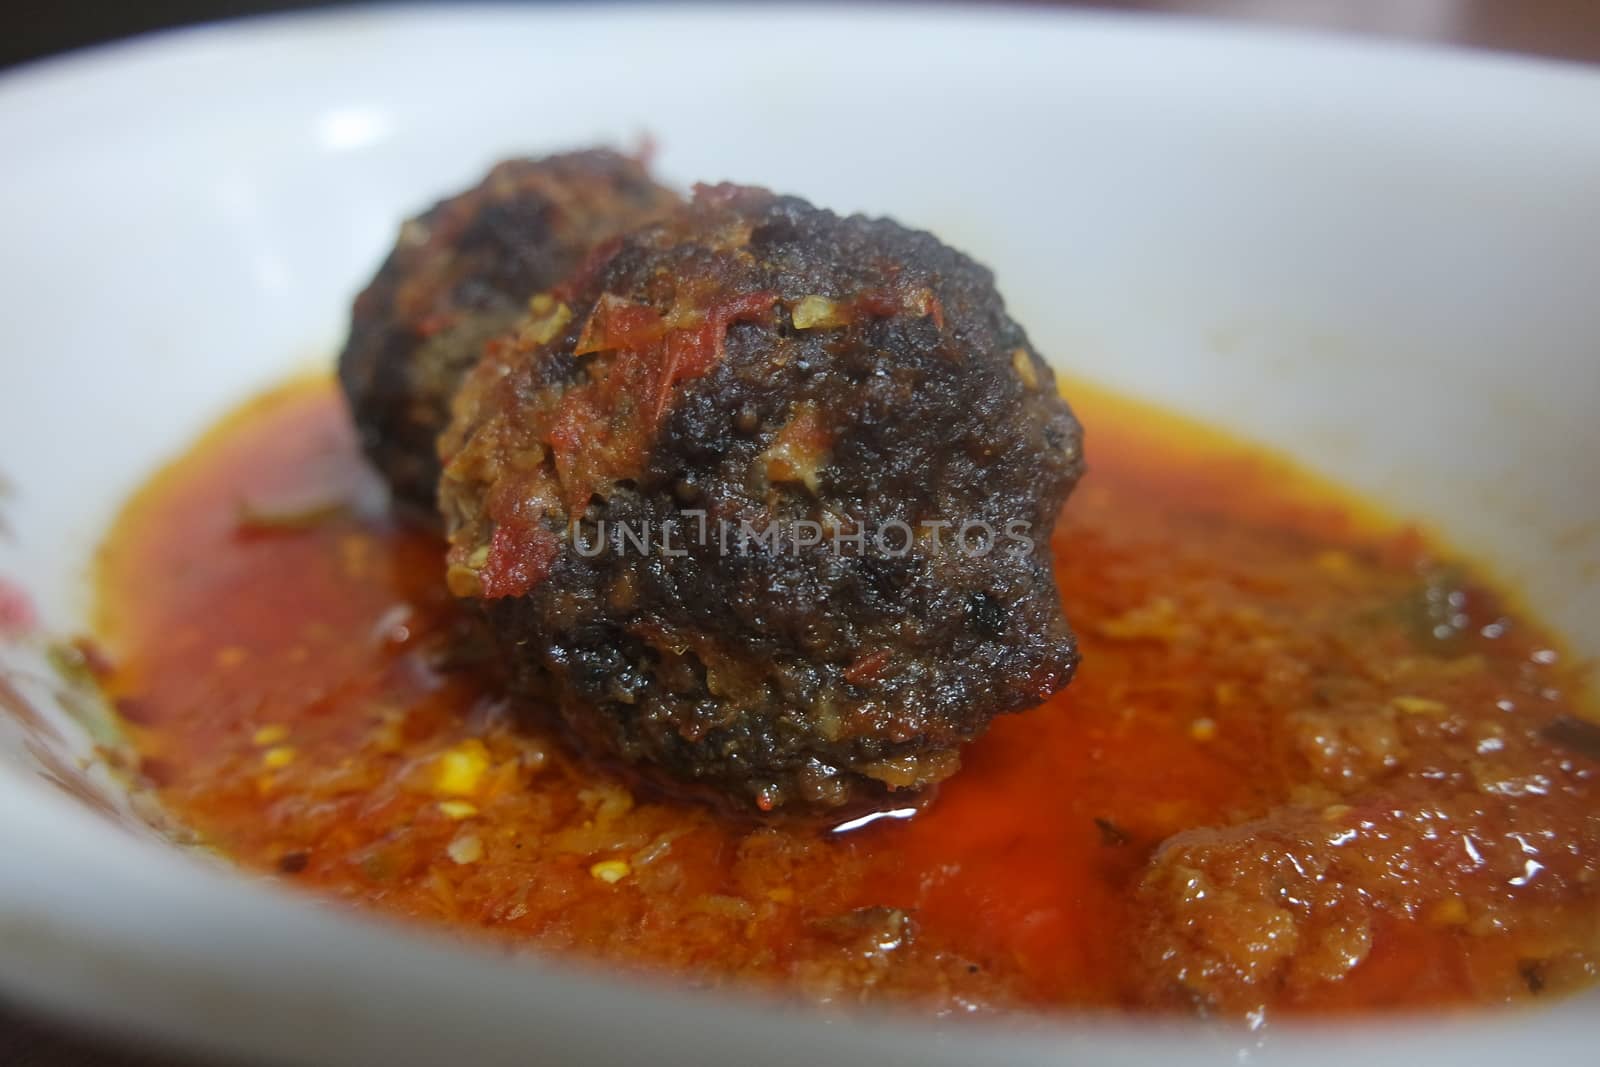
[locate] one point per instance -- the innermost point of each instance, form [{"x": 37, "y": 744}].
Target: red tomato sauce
[{"x": 1306, "y": 766}]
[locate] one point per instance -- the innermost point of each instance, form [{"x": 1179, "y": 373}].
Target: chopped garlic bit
[
  {"x": 530, "y": 457},
  {"x": 461, "y": 768},
  {"x": 468, "y": 849},
  {"x": 1409, "y": 705},
  {"x": 922, "y": 302},
  {"x": 817, "y": 312},
  {"x": 1203, "y": 729},
  {"x": 1023, "y": 365},
  {"x": 547, "y": 320},
  {"x": 270, "y": 734},
  {"x": 463, "y": 581},
  {"x": 912, "y": 771},
  {"x": 278, "y": 757},
  {"x": 458, "y": 809},
  {"x": 1449, "y": 912},
  {"x": 611, "y": 871},
  {"x": 463, "y": 576}
]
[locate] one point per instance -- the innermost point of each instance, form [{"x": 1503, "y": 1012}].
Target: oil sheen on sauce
[{"x": 1308, "y": 765}]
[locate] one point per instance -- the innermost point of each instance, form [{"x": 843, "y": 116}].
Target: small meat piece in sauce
[
  {"x": 460, "y": 274},
  {"x": 1488, "y": 834},
  {"x": 743, "y": 388}
]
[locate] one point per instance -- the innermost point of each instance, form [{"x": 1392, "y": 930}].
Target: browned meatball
[
  {"x": 460, "y": 274},
  {"x": 724, "y": 498}
]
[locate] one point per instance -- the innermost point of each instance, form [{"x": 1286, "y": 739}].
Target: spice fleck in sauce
[{"x": 1306, "y": 766}]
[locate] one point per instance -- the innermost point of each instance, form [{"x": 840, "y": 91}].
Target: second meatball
[{"x": 460, "y": 274}]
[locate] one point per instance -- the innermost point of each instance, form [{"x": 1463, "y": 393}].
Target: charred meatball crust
[
  {"x": 755, "y": 360},
  {"x": 462, "y": 273}
]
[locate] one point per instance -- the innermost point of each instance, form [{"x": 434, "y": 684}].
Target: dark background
[{"x": 33, "y": 29}]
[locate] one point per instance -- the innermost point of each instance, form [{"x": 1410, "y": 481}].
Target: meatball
[
  {"x": 764, "y": 501},
  {"x": 462, "y": 273}
]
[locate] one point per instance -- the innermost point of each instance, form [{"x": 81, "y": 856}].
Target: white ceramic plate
[{"x": 1383, "y": 259}]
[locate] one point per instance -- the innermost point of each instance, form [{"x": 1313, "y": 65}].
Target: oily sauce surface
[{"x": 1306, "y": 766}]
